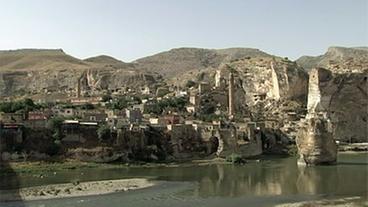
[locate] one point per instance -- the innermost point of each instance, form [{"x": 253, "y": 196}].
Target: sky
[{"x": 130, "y": 29}]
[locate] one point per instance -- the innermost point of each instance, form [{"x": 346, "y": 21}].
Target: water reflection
[
  {"x": 282, "y": 178},
  {"x": 256, "y": 179},
  {"x": 275, "y": 178}
]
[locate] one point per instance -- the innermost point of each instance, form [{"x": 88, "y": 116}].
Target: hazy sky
[{"x": 131, "y": 29}]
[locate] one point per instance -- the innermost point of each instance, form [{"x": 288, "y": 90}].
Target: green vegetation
[
  {"x": 211, "y": 117},
  {"x": 103, "y": 132},
  {"x": 190, "y": 84},
  {"x": 54, "y": 125},
  {"x": 106, "y": 98},
  {"x": 160, "y": 106},
  {"x": 53, "y": 149},
  {"x": 87, "y": 106},
  {"x": 22, "y": 105}
]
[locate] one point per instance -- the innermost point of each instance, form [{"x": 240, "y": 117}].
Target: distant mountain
[
  {"x": 104, "y": 59},
  {"x": 178, "y": 61},
  {"x": 338, "y": 59}
]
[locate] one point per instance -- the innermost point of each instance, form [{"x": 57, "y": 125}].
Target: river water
[{"x": 269, "y": 182}]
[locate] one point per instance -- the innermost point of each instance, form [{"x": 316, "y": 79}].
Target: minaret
[
  {"x": 231, "y": 96},
  {"x": 79, "y": 88}
]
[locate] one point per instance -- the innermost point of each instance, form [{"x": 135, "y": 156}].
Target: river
[{"x": 266, "y": 183}]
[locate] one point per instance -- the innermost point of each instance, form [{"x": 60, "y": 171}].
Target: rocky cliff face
[
  {"x": 344, "y": 97},
  {"x": 272, "y": 78}
]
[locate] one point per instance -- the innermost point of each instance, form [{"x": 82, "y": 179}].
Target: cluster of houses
[{"x": 131, "y": 124}]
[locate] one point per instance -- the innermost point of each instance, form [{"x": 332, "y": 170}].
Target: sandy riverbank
[
  {"x": 75, "y": 189},
  {"x": 341, "y": 202},
  {"x": 355, "y": 147}
]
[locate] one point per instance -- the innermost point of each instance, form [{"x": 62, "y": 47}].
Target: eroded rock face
[
  {"x": 315, "y": 142},
  {"x": 344, "y": 98}
]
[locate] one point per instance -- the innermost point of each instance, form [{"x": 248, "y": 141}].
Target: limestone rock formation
[
  {"x": 315, "y": 143},
  {"x": 344, "y": 97}
]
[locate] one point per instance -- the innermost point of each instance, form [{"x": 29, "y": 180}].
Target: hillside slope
[
  {"x": 181, "y": 60},
  {"x": 338, "y": 60}
]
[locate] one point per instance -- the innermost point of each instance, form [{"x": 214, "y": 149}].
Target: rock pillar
[
  {"x": 275, "y": 84},
  {"x": 231, "y": 96},
  {"x": 315, "y": 141}
]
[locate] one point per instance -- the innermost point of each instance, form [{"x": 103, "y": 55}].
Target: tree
[
  {"x": 88, "y": 106},
  {"x": 190, "y": 84},
  {"x": 54, "y": 125},
  {"x": 103, "y": 132},
  {"x": 14, "y": 106},
  {"x": 106, "y": 98}
]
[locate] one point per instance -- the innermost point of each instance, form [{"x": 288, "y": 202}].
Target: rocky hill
[
  {"x": 178, "y": 61},
  {"x": 47, "y": 72},
  {"x": 338, "y": 60},
  {"x": 54, "y": 73},
  {"x": 108, "y": 61},
  {"x": 37, "y": 59}
]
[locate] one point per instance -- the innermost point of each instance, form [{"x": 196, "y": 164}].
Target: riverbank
[
  {"x": 44, "y": 167},
  {"x": 341, "y": 202},
  {"x": 41, "y": 168},
  {"x": 75, "y": 189},
  {"x": 354, "y": 147}
]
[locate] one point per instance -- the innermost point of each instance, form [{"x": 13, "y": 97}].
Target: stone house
[
  {"x": 95, "y": 116},
  {"x": 157, "y": 121},
  {"x": 65, "y": 112},
  {"x": 184, "y": 139},
  {"x": 37, "y": 119},
  {"x": 79, "y": 131},
  {"x": 172, "y": 119}
]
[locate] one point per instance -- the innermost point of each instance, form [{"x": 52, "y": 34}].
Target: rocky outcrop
[{"x": 315, "y": 142}]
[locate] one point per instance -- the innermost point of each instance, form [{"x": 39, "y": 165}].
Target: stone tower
[
  {"x": 79, "y": 88},
  {"x": 231, "y": 96}
]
